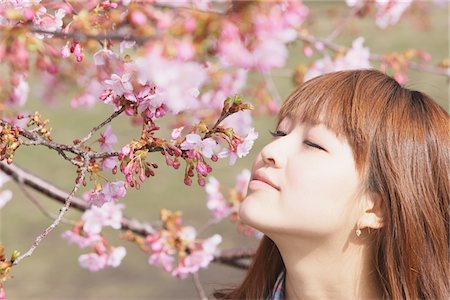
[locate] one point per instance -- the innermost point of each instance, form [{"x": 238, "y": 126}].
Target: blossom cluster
[
  {"x": 87, "y": 233},
  {"x": 176, "y": 248}
]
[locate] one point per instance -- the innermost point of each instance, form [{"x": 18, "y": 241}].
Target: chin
[{"x": 251, "y": 214}]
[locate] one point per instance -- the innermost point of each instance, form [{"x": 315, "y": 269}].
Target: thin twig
[
  {"x": 272, "y": 88},
  {"x": 81, "y": 36},
  {"x": 96, "y": 128},
  {"x": 41, "y": 208},
  {"x": 198, "y": 286},
  {"x": 342, "y": 24},
  {"x": 21, "y": 176},
  {"x": 62, "y": 211}
]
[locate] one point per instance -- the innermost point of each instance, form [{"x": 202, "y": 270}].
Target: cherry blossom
[
  {"x": 82, "y": 241},
  {"x": 198, "y": 258},
  {"x": 178, "y": 84},
  {"x": 107, "y": 139},
  {"x": 216, "y": 202},
  {"x": 357, "y": 57},
  {"x": 93, "y": 261},
  {"x": 110, "y": 214},
  {"x": 195, "y": 144},
  {"x": 242, "y": 148},
  {"x": 120, "y": 84},
  {"x": 20, "y": 92},
  {"x": 111, "y": 191},
  {"x": 115, "y": 256}
]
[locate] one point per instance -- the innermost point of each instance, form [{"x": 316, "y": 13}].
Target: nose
[{"x": 272, "y": 155}]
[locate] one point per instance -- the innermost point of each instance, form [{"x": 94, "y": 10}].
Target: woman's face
[{"x": 304, "y": 182}]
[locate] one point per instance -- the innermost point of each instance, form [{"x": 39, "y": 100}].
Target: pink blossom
[
  {"x": 110, "y": 214},
  {"x": 84, "y": 100},
  {"x": 104, "y": 55},
  {"x": 126, "y": 45},
  {"x": 107, "y": 139},
  {"x": 93, "y": 262},
  {"x": 185, "y": 50},
  {"x": 242, "y": 181},
  {"x": 47, "y": 21},
  {"x": 20, "y": 91},
  {"x": 234, "y": 53},
  {"x": 244, "y": 148},
  {"x": 2, "y": 293},
  {"x": 108, "y": 163},
  {"x": 65, "y": 51},
  {"x": 89, "y": 240},
  {"x": 178, "y": 85},
  {"x": 78, "y": 52},
  {"x": 162, "y": 259},
  {"x": 198, "y": 258},
  {"x": 390, "y": 12},
  {"x": 111, "y": 191},
  {"x": 115, "y": 256},
  {"x": 120, "y": 84},
  {"x": 194, "y": 142},
  {"x": 269, "y": 54},
  {"x": 216, "y": 202},
  {"x": 176, "y": 133},
  {"x": 241, "y": 122},
  {"x": 138, "y": 18},
  {"x": 356, "y": 57}
]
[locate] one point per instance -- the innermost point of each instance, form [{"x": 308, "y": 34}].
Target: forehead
[{"x": 315, "y": 125}]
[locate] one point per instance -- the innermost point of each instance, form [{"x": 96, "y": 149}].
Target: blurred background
[{"x": 53, "y": 271}]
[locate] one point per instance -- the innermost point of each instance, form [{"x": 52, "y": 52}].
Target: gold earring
[{"x": 358, "y": 232}]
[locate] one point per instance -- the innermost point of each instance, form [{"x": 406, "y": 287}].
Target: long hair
[{"x": 400, "y": 140}]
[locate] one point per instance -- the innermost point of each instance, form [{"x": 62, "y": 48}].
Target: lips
[{"x": 264, "y": 179}]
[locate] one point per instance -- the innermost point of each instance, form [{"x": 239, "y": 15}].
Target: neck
[{"x": 330, "y": 271}]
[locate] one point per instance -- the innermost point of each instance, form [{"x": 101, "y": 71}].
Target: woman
[{"x": 352, "y": 195}]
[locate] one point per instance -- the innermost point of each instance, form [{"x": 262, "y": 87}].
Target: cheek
[{"x": 318, "y": 196}]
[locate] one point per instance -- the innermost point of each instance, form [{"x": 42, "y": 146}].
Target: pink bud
[
  {"x": 138, "y": 18},
  {"x": 125, "y": 150},
  {"x": 201, "y": 181},
  {"x": 202, "y": 168},
  {"x": 65, "y": 51},
  {"x": 188, "y": 181},
  {"x": 308, "y": 51},
  {"x": 214, "y": 158},
  {"x": 78, "y": 52}
]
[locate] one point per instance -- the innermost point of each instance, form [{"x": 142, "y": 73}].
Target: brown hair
[{"x": 401, "y": 144}]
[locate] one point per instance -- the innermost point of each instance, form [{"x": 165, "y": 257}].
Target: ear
[{"x": 372, "y": 216}]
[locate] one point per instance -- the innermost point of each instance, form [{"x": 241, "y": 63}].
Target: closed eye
[
  {"x": 277, "y": 133},
  {"x": 311, "y": 144}
]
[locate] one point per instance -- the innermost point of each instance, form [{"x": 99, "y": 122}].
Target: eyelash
[{"x": 278, "y": 133}]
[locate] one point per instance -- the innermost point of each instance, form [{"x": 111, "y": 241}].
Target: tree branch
[
  {"x": 60, "y": 215},
  {"x": 230, "y": 257}
]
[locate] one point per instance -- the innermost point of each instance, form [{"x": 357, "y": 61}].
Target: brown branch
[
  {"x": 38, "y": 184},
  {"x": 230, "y": 257}
]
